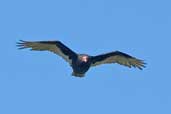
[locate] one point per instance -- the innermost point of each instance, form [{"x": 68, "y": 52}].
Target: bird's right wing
[{"x": 54, "y": 46}]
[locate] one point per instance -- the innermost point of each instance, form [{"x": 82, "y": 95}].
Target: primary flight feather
[{"x": 80, "y": 63}]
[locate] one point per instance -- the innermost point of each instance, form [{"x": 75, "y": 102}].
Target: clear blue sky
[{"x": 40, "y": 82}]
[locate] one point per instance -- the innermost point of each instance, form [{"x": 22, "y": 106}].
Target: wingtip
[
  {"x": 142, "y": 66},
  {"x": 21, "y": 44}
]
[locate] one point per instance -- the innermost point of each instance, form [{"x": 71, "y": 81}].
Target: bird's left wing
[
  {"x": 117, "y": 57},
  {"x": 53, "y": 46}
]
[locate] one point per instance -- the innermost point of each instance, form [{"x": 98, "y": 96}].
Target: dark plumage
[{"x": 80, "y": 63}]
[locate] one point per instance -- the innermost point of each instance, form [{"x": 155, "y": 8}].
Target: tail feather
[{"x": 78, "y": 75}]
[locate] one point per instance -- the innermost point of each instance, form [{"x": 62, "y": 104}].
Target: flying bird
[{"x": 81, "y": 63}]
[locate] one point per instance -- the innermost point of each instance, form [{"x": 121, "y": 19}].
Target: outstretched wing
[
  {"x": 117, "y": 57},
  {"x": 53, "y": 46}
]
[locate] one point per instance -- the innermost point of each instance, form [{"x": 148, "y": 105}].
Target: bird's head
[{"x": 84, "y": 58}]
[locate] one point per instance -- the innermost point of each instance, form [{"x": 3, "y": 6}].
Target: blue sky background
[{"x": 40, "y": 82}]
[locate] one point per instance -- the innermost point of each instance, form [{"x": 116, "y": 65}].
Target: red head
[{"x": 83, "y": 58}]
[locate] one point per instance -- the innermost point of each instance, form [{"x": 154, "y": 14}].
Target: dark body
[
  {"x": 80, "y": 67},
  {"x": 81, "y": 63}
]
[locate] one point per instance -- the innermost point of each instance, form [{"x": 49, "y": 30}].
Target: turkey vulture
[{"x": 80, "y": 63}]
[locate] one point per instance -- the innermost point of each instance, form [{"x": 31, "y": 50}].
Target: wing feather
[
  {"x": 53, "y": 46},
  {"x": 118, "y": 57}
]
